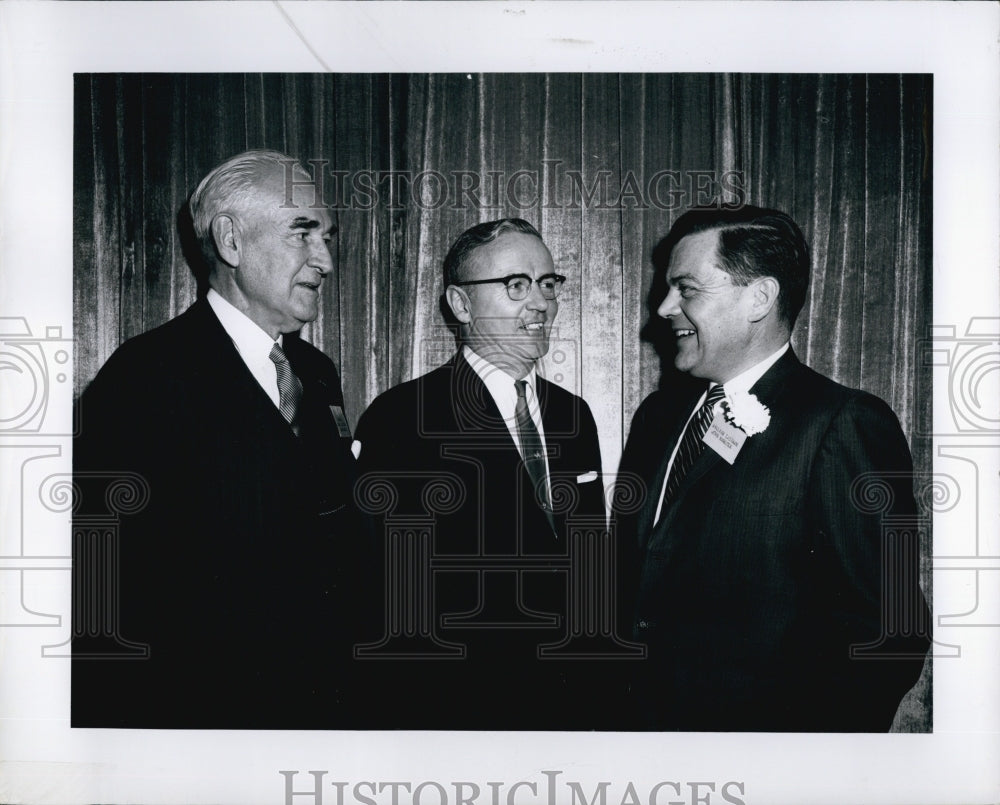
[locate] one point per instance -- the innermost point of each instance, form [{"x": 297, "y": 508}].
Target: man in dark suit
[
  {"x": 217, "y": 599},
  {"x": 763, "y": 577},
  {"x": 516, "y": 464}
]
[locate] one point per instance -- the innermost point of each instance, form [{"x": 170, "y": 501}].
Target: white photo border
[{"x": 42, "y": 45}]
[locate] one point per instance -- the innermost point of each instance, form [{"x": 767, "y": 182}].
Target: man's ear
[
  {"x": 458, "y": 301},
  {"x": 764, "y": 297},
  {"x": 226, "y": 237}
]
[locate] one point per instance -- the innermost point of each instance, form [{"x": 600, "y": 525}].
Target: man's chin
[
  {"x": 686, "y": 365},
  {"x": 536, "y": 349},
  {"x": 306, "y": 315},
  {"x": 519, "y": 348}
]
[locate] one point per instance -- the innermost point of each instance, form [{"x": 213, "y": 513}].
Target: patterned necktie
[
  {"x": 289, "y": 387},
  {"x": 531, "y": 449},
  {"x": 691, "y": 443}
]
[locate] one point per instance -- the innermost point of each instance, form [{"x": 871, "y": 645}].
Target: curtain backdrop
[
  {"x": 606, "y": 162},
  {"x": 601, "y": 164}
]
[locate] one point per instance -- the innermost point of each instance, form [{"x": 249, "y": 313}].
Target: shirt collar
[
  {"x": 745, "y": 380},
  {"x": 251, "y": 341}
]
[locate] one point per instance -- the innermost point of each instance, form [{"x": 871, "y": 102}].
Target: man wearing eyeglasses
[{"x": 520, "y": 459}]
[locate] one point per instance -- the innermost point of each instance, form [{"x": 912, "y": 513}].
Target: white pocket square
[{"x": 587, "y": 477}]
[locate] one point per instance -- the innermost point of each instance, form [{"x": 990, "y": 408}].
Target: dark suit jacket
[
  {"x": 445, "y": 427},
  {"x": 760, "y": 576},
  {"x": 233, "y": 571}
]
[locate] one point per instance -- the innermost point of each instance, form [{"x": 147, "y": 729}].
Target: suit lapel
[
  {"x": 223, "y": 369},
  {"x": 474, "y": 408},
  {"x": 317, "y": 394},
  {"x": 774, "y": 381},
  {"x": 663, "y": 447},
  {"x": 226, "y": 374}
]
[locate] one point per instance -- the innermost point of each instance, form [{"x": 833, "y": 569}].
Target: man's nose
[
  {"x": 321, "y": 259},
  {"x": 536, "y": 301},
  {"x": 669, "y": 306}
]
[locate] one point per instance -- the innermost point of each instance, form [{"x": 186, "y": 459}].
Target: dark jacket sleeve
[{"x": 868, "y": 531}]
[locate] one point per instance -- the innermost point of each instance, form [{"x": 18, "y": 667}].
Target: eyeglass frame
[{"x": 559, "y": 280}]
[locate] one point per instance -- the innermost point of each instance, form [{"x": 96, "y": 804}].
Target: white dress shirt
[
  {"x": 253, "y": 344},
  {"x": 742, "y": 382},
  {"x": 504, "y": 393}
]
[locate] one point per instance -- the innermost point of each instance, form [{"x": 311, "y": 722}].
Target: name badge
[
  {"x": 340, "y": 418},
  {"x": 724, "y": 439}
]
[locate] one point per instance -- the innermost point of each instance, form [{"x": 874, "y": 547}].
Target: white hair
[{"x": 230, "y": 187}]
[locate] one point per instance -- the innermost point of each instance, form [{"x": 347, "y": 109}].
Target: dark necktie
[
  {"x": 691, "y": 443},
  {"x": 532, "y": 453},
  {"x": 289, "y": 387}
]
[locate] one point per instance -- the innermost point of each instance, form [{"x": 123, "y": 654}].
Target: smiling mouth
[
  {"x": 534, "y": 326},
  {"x": 683, "y": 333}
]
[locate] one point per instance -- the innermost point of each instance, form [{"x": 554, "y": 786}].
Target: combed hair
[
  {"x": 230, "y": 186},
  {"x": 756, "y": 242},
  {"x": 476, "y": 236}
]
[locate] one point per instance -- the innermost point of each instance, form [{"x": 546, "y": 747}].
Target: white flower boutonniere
[{"x": 746, "y": 412}]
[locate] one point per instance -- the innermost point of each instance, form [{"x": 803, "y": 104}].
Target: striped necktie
[
  {"x": 691, "y": 443},
  {"x": 289, "y": 387},
  {"x": 532, "y": 453}
]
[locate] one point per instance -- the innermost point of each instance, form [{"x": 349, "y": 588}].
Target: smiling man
[
  {"x": 521, "y": 459},
  {"x": 771, "y": 595},
  {"x": 228, "y": 603}
]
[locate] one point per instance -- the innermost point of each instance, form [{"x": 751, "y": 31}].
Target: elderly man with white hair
[{"x": 228, "y": 582}]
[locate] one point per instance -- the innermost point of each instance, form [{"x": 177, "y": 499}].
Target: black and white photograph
[
  {"x": 783, "y": 596},
  {"x": 487, "y": 429}
]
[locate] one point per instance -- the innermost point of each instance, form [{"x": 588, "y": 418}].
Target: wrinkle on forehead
[{"x": 511, "y": 253}]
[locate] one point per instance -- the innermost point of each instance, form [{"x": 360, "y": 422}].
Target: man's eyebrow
[
  {"x": 302, "y": 222},
  {"x": 679, "y": 278}
]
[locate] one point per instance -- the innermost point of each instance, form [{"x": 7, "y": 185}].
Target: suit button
[{"x": 642, "y": 625}]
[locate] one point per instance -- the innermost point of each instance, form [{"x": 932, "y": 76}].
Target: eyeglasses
[{"x": 519, "y": 285}]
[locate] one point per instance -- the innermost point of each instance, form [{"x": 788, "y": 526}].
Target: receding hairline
[
  {"x": 230, "y": 185},
  {"x": 475, "y": 256},
  {"x": 477, "y": 236}
]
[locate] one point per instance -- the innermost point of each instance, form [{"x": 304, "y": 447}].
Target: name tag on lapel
[
  {"x": 724, "y": 439},
  {"x": 340, "y": 418}
]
